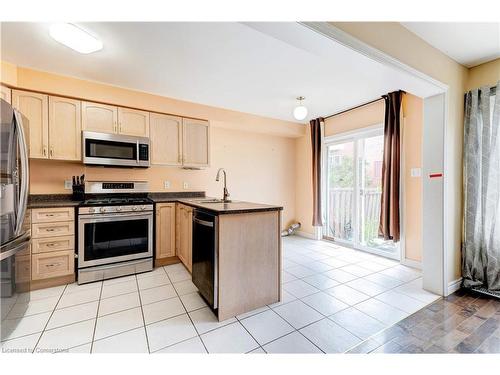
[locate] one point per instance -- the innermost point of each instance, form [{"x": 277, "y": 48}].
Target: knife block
[{"x": 78, "y": 192}]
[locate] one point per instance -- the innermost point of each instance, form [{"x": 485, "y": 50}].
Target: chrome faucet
[{"x": 217, "y": 178}]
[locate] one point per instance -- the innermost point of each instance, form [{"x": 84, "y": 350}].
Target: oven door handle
[{"x": 107, "y": 218}]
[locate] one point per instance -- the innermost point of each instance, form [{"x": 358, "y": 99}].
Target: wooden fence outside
[{"x": 341, "y": 218}]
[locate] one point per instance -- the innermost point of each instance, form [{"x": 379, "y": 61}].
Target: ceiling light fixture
[
  {"x": 300, "y": 111},
  {"x": 75, "y": 38}
]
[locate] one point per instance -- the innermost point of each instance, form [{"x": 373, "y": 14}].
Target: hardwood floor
[{"x": 464, "y": 322}]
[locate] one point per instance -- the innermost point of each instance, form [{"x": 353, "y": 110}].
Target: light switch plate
[
  {"x": 416, "y": 172},
  {"x": 166, "y": 184},
  {"x": 185, "y": 185},
  {"x": 68, "y": 184}
]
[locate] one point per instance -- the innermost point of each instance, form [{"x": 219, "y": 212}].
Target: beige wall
[
  {"x": 257, "y": 152},
  {"x": 485, "y": 74},
  {"x": 369, "y": 115},
  {"x": 413, "y": 108}
]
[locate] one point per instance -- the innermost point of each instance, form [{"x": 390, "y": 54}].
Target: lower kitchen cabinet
[
  {"x": 52, "y": 246},
  {"x": 165, "y": 230},
  {"x": 53, "y": 264},
  {"x": 184, "y": 232}
]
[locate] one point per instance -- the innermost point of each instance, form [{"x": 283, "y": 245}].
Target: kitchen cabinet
[
  {"x": 52, "y": 247},
  {"x": 165, "y": 230},
  {"x": 184, "y": 230},
  {"x": 100, "y": 118},
  {"x": 133, "y": 122},
  {"x": 5, "y": 94},
  {"x": 35, "y": 109},
  {"x": 166, "y": 139},
  {"x": 65, "y": 129},
  {"x": 195, "y": 143}
]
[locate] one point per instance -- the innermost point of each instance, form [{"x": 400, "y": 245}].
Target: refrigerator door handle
[
  {"x": 23, "y": 195},
  {"x": 11, "y": 248}
]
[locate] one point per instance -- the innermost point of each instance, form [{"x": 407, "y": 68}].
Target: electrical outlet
[
  {"x": 68, "y": 185},
  {"x": 166, "y": 184},
  {"x": 185, "y": 185},
  {"x": 416, "y": 172}
]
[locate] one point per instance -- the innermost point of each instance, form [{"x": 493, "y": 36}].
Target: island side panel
[{"x": 249, "y": 262}]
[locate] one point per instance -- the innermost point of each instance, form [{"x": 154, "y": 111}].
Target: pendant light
[{"x": 300, "y": 111}]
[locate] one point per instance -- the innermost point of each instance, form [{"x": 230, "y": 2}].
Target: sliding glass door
[{"x": 353, "y": 190}]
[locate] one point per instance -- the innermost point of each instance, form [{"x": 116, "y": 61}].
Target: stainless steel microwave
[{"x": 115, "y": 150}]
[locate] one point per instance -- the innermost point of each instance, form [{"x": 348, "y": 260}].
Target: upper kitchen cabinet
[
  {"x": 166, "y": 139},
  {"x": 133, "y": 122},
  {"x": 65, "y": 128},
  {"x": 195, "y": 143},
  {"x": 100, "y": 118},
  {"x": 5, "y": 94},
  {"x": 35, "y": 109}
]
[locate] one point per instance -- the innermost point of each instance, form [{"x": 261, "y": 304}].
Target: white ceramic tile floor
[{"x": 332, "y": 299}]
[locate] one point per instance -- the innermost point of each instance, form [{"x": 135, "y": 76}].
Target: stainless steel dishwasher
[{"x": 204, "y": 261}]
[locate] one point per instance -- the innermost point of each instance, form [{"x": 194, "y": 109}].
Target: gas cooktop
[{"x": 114, "y": 201}]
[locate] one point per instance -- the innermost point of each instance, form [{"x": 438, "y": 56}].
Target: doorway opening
[{"x": 353, "y": 189}]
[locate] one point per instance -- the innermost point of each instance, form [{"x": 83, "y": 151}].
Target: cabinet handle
[
  {"x": 115, "y": 127},
  {"x": 44, "y": 151},
  {"x": 120, "y": 126},
  {"x": 52, "y": 265},
  {"x": 51, "y": 151}
]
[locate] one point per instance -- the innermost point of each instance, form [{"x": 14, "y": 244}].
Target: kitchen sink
[{"x": 212, "y": 201}]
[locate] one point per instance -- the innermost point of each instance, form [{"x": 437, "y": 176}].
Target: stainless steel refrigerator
[{"x": 15, "y": 266}]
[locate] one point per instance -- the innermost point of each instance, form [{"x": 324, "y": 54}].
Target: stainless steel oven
[
  {"x": 115, "y": 150},
  {"x": 115, "y": 232}
]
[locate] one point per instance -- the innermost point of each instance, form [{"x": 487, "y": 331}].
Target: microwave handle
[{"x": 137, "y": 151}]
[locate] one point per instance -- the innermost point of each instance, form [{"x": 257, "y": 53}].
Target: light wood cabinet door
[
  {"x": 52, "y": 214},
  {"x": 5, "y": 94},
  {"x": 165, "y": 133},
  {"x": 53, "y": 264},
  {"x": 184, "y": 253},
  {"x": 65, "y": 129},
  {"x": 133, "y": 122},
  {"x": 49, "y": 230},
  {"x": 35, "y": 109},
  {"x": 195, "y": 143},
  {"x": 100, "y": 118},
  {"x": 165, "y": 230}
]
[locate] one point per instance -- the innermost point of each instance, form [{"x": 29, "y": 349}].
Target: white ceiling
[
  {"x": 468, "y": 43},
  {"x": 257, "y": 68}
]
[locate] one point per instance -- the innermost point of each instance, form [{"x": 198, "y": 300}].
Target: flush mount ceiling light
[
  {"x": 75, "y": 38},
  {"x": 300, "y": 112}
]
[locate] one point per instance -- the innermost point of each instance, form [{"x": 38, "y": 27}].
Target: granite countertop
[
  {"x": 194, "y": 199},
  {"x": 51, "y": 200},
  {"x": 233, "y": 207},
  {"x": 65, "y": 200}
]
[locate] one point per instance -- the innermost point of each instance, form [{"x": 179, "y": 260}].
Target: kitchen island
[{"x": 242, "y": 240}]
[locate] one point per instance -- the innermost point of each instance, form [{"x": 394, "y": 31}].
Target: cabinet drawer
[
  {"x": 40, "y": 230},
  {"x": 55, "y": 264},
  {"x": 51, "y": 215},
  {"x": 47, "y": 245}
]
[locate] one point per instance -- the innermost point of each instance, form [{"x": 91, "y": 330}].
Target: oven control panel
[{"x": 115, "y": 209}]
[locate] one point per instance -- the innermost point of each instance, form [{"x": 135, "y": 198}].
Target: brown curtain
[
  {"x": 316, "y": 170},
  {"x": 389, "y": 212}
]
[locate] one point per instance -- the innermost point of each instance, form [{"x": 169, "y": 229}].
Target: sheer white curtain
[{"x": 481, "y": 247}]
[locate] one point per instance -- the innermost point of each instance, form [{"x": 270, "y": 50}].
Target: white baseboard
[
  {"x": 412, "y": 263},
  {"x": 305, "y": 234},
  {"x": 453, "y": 286}
]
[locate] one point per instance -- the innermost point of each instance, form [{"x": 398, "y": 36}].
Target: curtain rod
[
  {"x": 359, "y": 106},
  {"x": 353, "y": 108}
]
